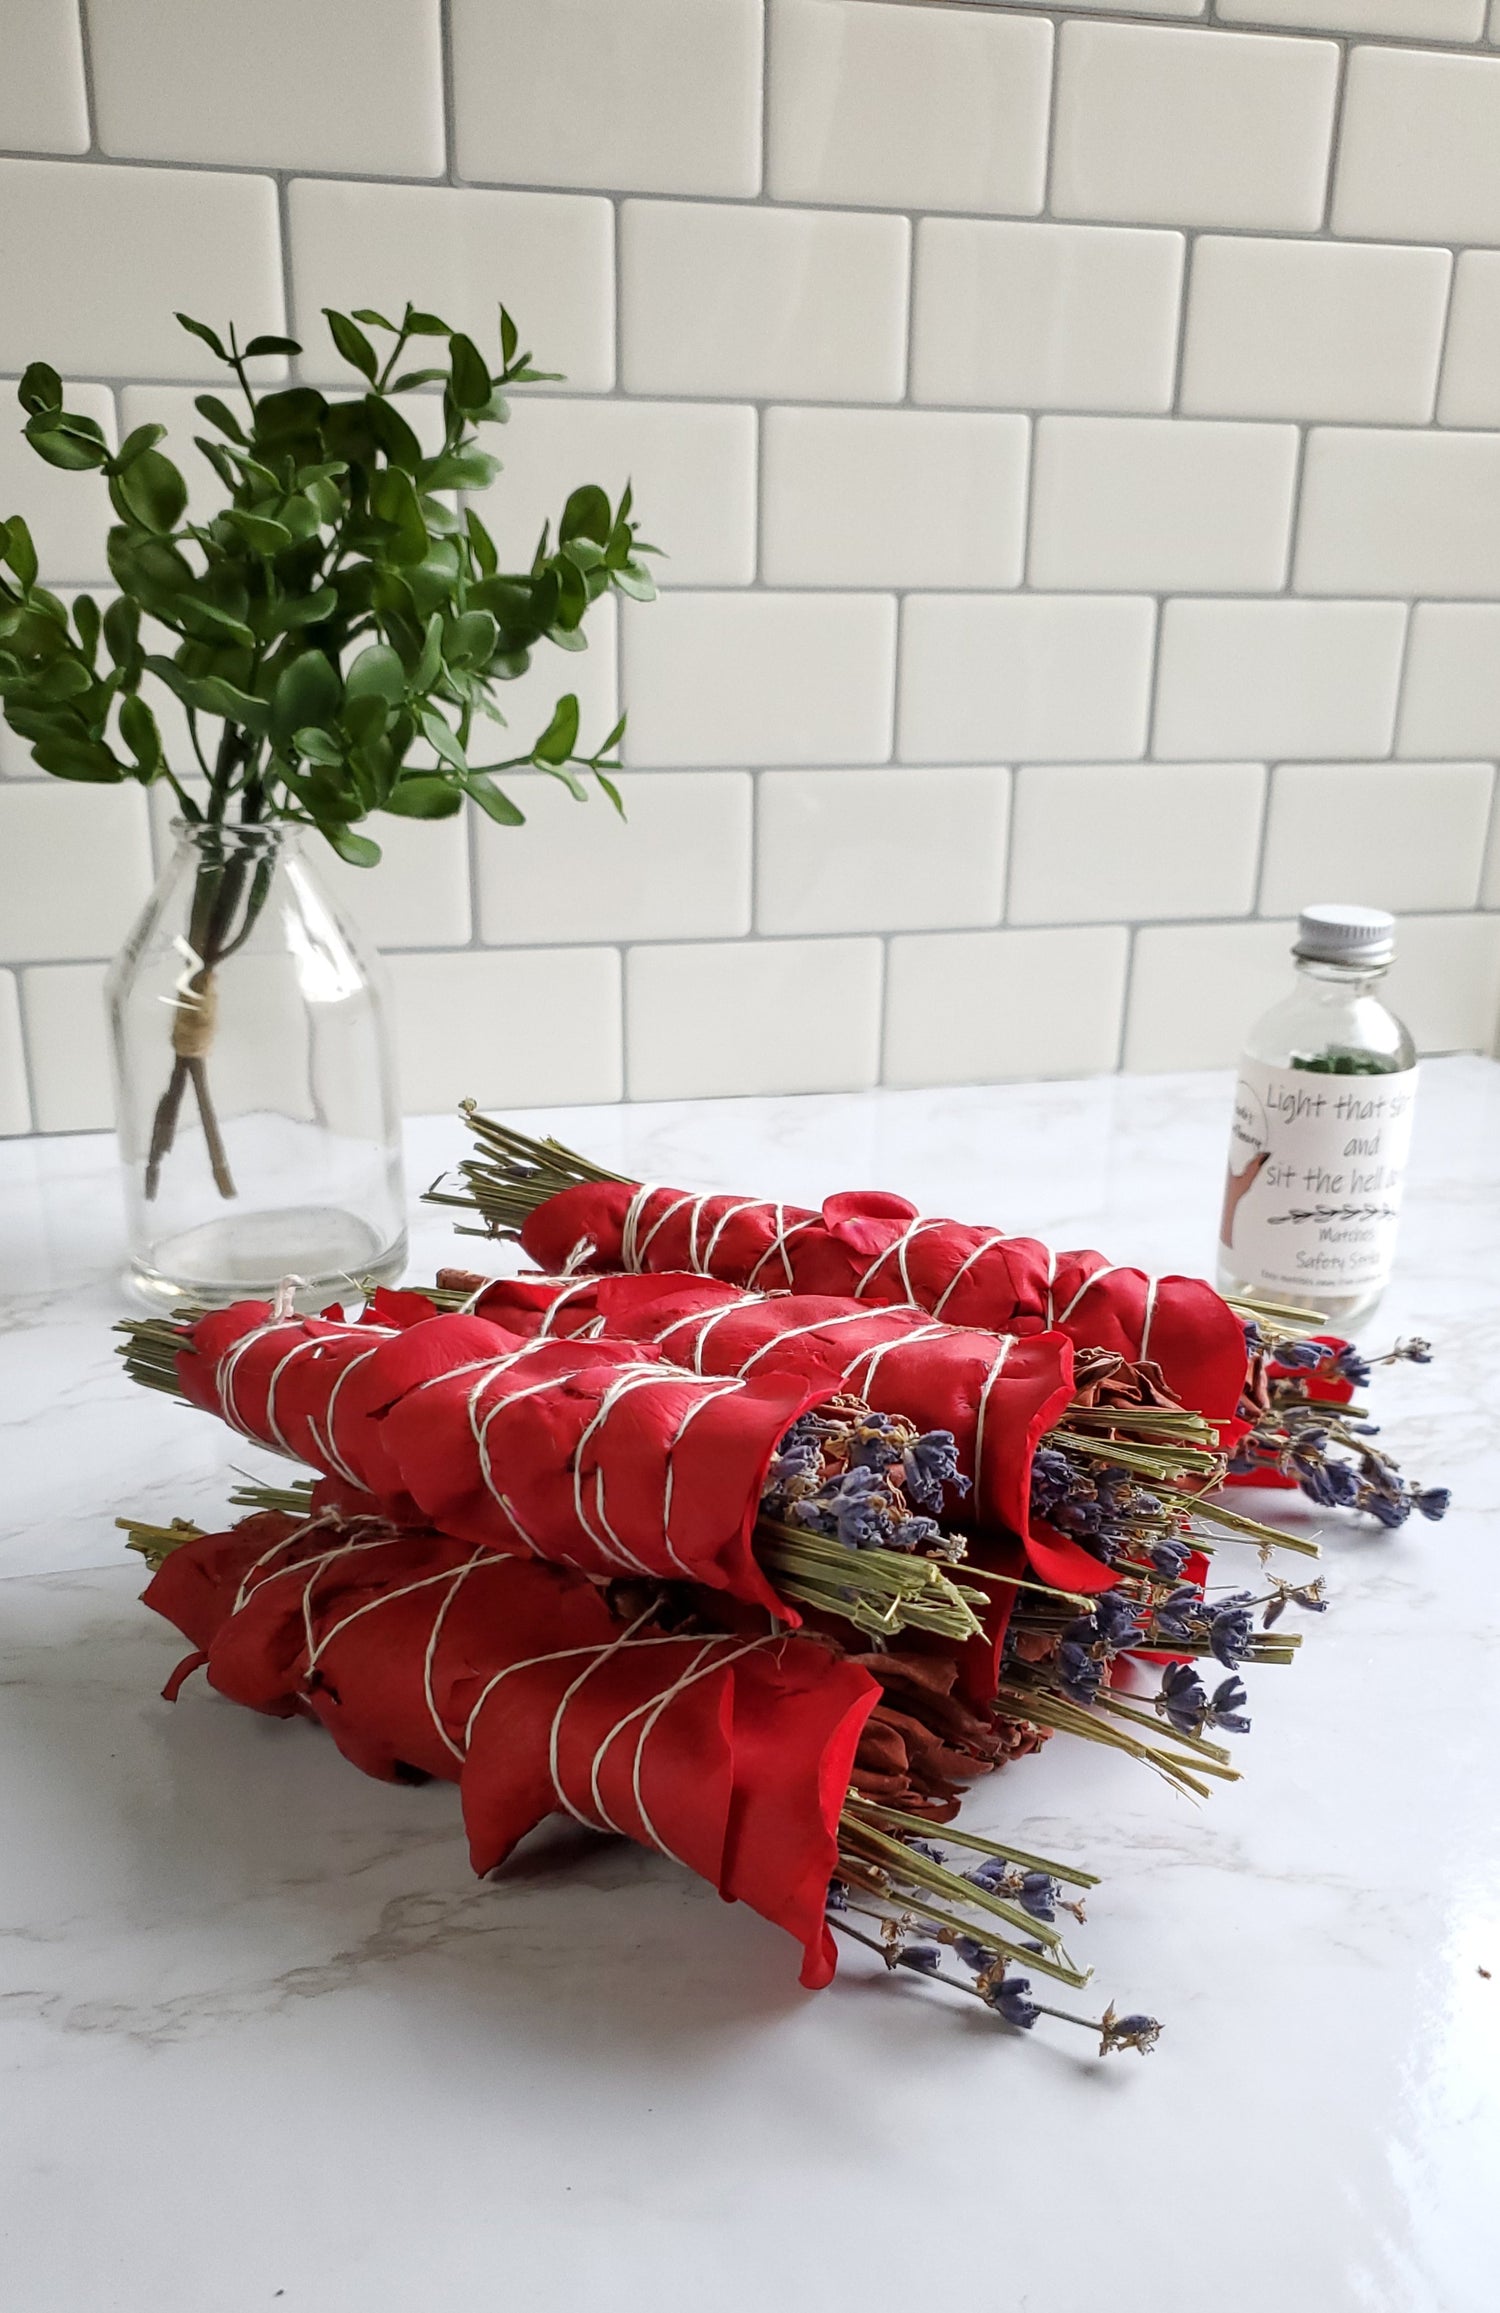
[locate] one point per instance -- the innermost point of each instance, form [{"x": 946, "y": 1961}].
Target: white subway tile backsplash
[
  {"x": 1029, "y": 318},
  {"x": 1421, "y": 19},
  {"x": 893, "y": 497},
  {"x": 68, "y": 513},
  {"x": 1419, "y": 159},
  {"x": 802, "y": 304},
  {"x": 1044, "y": 316},
  {"x": 15, "y": 1100},
  {"x": 349, "y": 84},
  {"x": 676, "y": 867},
  {"x": 523, "y": 1028},
  {"x": 1161, "y": 503},
  {"x": 691, "y": 467},
  {"x": 1384, "y": 835},
  {"x": 760, "y": 678},
  {"x": 1489, "y": 889},
  {"x": 1445, "y": 982},
  {"x": 71, "y": 1089},
  {"x": 1164, "y": 126},
  {"x": 1278, "y": 678},
  {"x": 1450, "y": 698},
  {"x": 914, "y": 849},
  {"x": 753, "y": 1016},
  {"x": 906, "y": 107},
  {"x": 1102, "y": 843},
  {"x": 547, "y": 256},
  {"x": 1197, "y": 989},
  {"x": 1055, "y": 677},
  {"x": 75, "y": 867},
  {"x": 989, "y": 1007},
  {"x": 418, "y": 897},
  {"x": 1310, "y": 329},
  {"x": 574, "y": 92},
  {"x": 43, "y": 107},
  {"x": 1399, "y": 513},
  {"x": 213, "y": 250},
  {"x": 1470, "y": 393}
]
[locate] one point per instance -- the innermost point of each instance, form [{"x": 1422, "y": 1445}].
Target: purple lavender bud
[
  {"x": 1039, "y": 1894},
  {"x": 931, "y": 1463},
  {"x": 1301, "y": 1356},
  {"x": 1077, "y": 1672},
  {"x": 926, "y": 1958},
  {"x": 1225, "y": 1706},
  {"x": 1182, "y": 1700},
  {"x": 1169, "y": 1559},
  {"x": 1009, "y": 1999},
  {"x": 1432, "y": 1501},
  {"x": 990, "y": 1874}
]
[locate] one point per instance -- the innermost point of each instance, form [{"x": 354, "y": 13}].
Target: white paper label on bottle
[{"x": 1316, "y": 1169}]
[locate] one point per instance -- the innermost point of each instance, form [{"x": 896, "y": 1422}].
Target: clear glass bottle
[
  {"x": 1321, "y": 1128},
  {"x": 255, "y": 1091}
]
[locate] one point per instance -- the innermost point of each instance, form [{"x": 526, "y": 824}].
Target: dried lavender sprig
[{"x": 981, "y": 1844}]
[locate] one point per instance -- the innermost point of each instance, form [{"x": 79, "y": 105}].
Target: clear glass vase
[{"x": 255, "y": 1090}]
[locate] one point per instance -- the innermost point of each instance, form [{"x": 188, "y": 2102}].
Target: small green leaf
[
  {"x": 221, "y": 415},
  {"x": 20, "y": 551},
  {"x": 481, "y": 541},
  {"x": 432, "y": 654},
  {"x": 75, "y": 444},
  {"x": 359, "y": 850},
  {"x": 140, "y": 734},
  {"x": 299, "y": 410},
  {"x": 307, "y": 692},
  {"x": 493, "y": 800},
  {"x": 318, "y": 747},
  {"x": 471, "y": 639},
  {"x": 443, "y": 738},
  {"x": 152, "y": 490},
  {"x": 586, "y": 515},
  {"x": 86, "y": 759},
  {"x": 372, "y": 319},
  {"x": 425, "y": 325},
  {"x": 471, "y": 385},
  {"x": 201, "y": 329},
  {"x": 461, "y": 470},
  {"x": 410, "y": 379},
  {"x": 423, "y": 795},
  {"x": 40, "y": 389},
  {"x": 304, "y": 610},
  {"x": 259, "y": 345},
  {"x": 560, "y": 738},
  {"x": 352, "y": 343},
  {"x": 637, "y": 583},
  {"x": 509, "y": 338},
  {"x": 611, "y": 790},
  {"x": 259, "y": 531},
  {"x": 86, "y": 622},
  {"x": 394, "y": 501},
  {"x": 136, "y": 442},
  {"x": 122, "y": 630},
  {"x": 377, "y": 673}
]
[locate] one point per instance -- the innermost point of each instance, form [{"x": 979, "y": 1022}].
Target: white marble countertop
[{"x": 265, "y": 2043}]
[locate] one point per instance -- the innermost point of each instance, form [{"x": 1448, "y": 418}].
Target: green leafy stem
[{"x": 336, "y": 615}]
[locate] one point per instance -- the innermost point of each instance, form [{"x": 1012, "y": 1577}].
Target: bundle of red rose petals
[
  {"x": 775, "y": 1765},
  {"x": 1271, "y": 1385},
  {"x": 752, "y": 1533}
]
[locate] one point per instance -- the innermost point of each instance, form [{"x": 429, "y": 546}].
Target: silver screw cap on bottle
[{"x": 1332, "y": 934}]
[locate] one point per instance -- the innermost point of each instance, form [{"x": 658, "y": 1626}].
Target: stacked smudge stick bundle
[{"x": 751, "y": 1533}]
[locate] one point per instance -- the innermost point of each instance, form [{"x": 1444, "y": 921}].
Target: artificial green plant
[{"x": 336, "y": 631}]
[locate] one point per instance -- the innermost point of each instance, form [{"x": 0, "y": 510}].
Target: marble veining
[{"x": 264, "y": 2041}]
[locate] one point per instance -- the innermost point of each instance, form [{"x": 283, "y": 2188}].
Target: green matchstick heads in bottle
[{"x": 1321, "y": 1128}]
